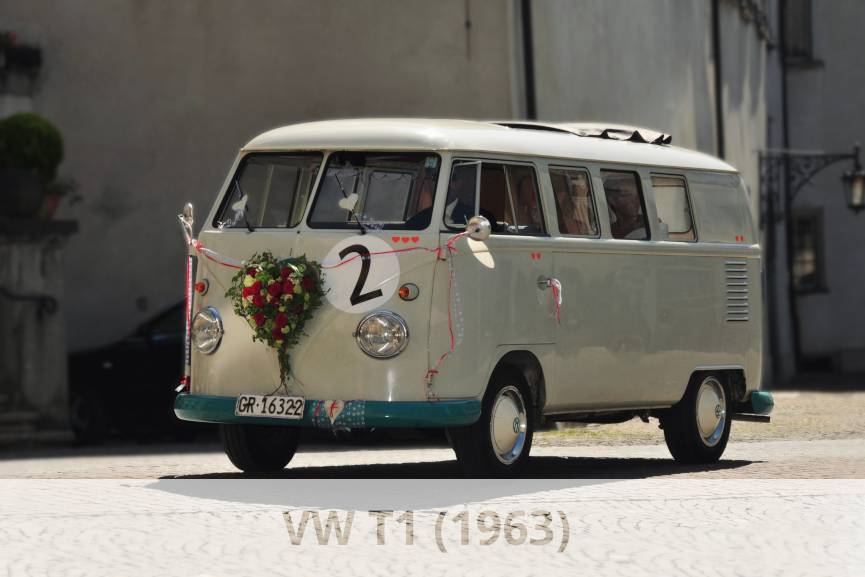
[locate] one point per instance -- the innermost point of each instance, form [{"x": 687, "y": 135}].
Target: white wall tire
[
  {"x": 697, "y": 428},
  {"x": 498, "y": 444}
]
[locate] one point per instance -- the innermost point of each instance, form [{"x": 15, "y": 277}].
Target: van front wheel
[
  {"x": 259, "y": 448},
  {"x": 498, "y": 444},
  {"x": 696, "y": 428}
]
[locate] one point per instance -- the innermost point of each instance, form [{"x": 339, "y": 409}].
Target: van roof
[{"x": 553, "y": 140}]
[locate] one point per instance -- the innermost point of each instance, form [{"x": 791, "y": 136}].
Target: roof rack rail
[{"x": 594, "y": 130}]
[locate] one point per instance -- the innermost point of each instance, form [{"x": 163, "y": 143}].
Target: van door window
[
  {"x": 674, "y": 210},
  {"x": 269, "y": 191},
  {"x": 508, "y": 197},
  {"x": 376, "y": 190},
  {"x": 574, "y": 203},
  {"x": 625, "y": 204}
]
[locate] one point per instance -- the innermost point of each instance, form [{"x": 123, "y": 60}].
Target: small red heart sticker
[
  {"x": 395, "y": 238},
  {"x": 405, "y": 239},
  {"x": 415, "y": 238}
]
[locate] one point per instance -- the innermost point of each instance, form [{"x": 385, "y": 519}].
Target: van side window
[
  {"x": 625, "y": 204},
  {"x": 674, "y": 210},
  {"x": 509, "y": 197},
  {"x": 460, "y": 203},
  {"x": 574, "y": 203}
]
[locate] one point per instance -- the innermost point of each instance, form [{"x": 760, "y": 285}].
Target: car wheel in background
[{"x": 88, "y": 417}]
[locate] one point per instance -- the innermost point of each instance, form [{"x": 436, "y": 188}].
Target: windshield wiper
[
  {"x": 353, "y": 213},
  {"x": 249, "y": 226}
]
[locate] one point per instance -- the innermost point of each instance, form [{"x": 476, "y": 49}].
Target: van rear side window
[
  {"x": 269, "y": 191},
  {"x": 674, "y": 210},
  {"x": 625, "y": 203},
  {"x": 574, "y": 203}
]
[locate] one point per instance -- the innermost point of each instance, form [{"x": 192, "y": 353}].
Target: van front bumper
[{"x": 342, "y": 414}]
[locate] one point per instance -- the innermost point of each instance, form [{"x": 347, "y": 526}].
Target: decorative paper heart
[
  {"x": 334, "y": 408},
  {"x": 348, "y": 202},
  {"x": 415, "y": 238},
  {"x": 395, "y": 238}
]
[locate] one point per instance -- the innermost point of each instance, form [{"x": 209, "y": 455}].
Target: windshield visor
[{"x": 376, "y": 190}]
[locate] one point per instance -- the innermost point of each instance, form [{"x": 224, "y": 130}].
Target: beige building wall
[
  {"x": 155, "y": 97},
  {"x": 650, "y": 64}
]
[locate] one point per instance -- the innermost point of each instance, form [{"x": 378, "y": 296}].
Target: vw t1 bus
[{"x": 484, "y": 278}]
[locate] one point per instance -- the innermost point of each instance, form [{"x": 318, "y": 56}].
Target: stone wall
[{"x": 33, "y": 383}]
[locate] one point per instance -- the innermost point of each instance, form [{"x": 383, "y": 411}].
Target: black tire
[
  {"x": 259, "y": 448},
  {"x": 474, "y": 445},
  {"x": 682, "y": 432},
  {"x": 88, "y": 417}
]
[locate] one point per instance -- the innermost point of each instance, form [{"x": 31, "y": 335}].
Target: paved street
[
  {"x": 812, "y": 435},
  {"x": 597, "y": 501}
]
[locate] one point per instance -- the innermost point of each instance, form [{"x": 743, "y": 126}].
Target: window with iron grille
[
  {"x": 808, "y": 262},
  {"x": 798, "y": 36}
]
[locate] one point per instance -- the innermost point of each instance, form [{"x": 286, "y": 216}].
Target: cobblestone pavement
[
  {"x": 773, "y": 459},
  {"x": 787, "y": 499}
]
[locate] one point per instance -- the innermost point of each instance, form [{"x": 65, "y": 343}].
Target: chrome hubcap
[
  {"x": 711, "y": 411},
  {"x": 508, "y": 424}
]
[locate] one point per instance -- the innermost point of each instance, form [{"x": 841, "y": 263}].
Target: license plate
[{"x": 274, "y": 407}]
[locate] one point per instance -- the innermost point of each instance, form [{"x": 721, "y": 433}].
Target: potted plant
[{"x": 31, "y": 148}]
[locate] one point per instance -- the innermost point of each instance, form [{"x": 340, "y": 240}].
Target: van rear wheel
[
  {"x": 259, "y": 448},
  {"x": 498, "y": 444},
  {"x": 696, "y": 428}
]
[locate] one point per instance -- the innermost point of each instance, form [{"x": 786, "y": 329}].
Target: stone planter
[{"x": 20, "y": 193}]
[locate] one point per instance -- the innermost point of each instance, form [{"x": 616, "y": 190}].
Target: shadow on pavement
[{"x": 416, "y": 485}]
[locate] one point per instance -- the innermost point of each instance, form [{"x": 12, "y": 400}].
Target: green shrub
[{"x": 29, "y": 142}]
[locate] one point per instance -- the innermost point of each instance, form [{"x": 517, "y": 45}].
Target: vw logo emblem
[{"x": 516, "y": 424}]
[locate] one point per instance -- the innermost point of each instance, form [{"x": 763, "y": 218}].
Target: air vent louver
[{"x": 736, "y": 280}]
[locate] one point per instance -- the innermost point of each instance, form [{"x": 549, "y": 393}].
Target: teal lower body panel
[{"x": 338, "y": 414}]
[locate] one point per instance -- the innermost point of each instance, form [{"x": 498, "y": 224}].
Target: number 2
[{"x": 356, "y": 296}]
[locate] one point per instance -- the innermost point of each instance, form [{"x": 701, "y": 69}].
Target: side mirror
[
  {"x": 186, "y": 221},
  {"x": 478, "y": 228}
]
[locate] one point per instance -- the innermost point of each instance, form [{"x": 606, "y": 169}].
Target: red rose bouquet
[{"x": 277, "y": 297}]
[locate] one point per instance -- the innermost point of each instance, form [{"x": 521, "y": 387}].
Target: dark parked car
[{"x": 128, "y": 387}]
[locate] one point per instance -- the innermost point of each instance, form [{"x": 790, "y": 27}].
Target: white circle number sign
[{"x": 365, "y": 279}]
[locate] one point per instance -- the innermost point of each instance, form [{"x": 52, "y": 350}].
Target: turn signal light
[
  {"x": 201, "y": 287},
  {"x": 408, "y": 291}
]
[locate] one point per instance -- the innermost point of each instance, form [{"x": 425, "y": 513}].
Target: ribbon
[
  {"x": 556, "y": 285},
  {"x": 449, "y": 248},
  {"x": 214, "y": 256}
]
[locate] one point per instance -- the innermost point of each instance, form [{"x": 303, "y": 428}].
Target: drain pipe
[
  {"x": 528, "y": 59},
  {"x": 716, "y": 55}
]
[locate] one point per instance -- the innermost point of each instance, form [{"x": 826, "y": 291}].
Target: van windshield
[
  {"x": 269, "y": 191},
  {"x": 377, "y": 190}
]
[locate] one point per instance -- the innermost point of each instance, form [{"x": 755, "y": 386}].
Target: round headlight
[
  {"x": 382, "y": 334},
  {"x": 207, "y": 330}
]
